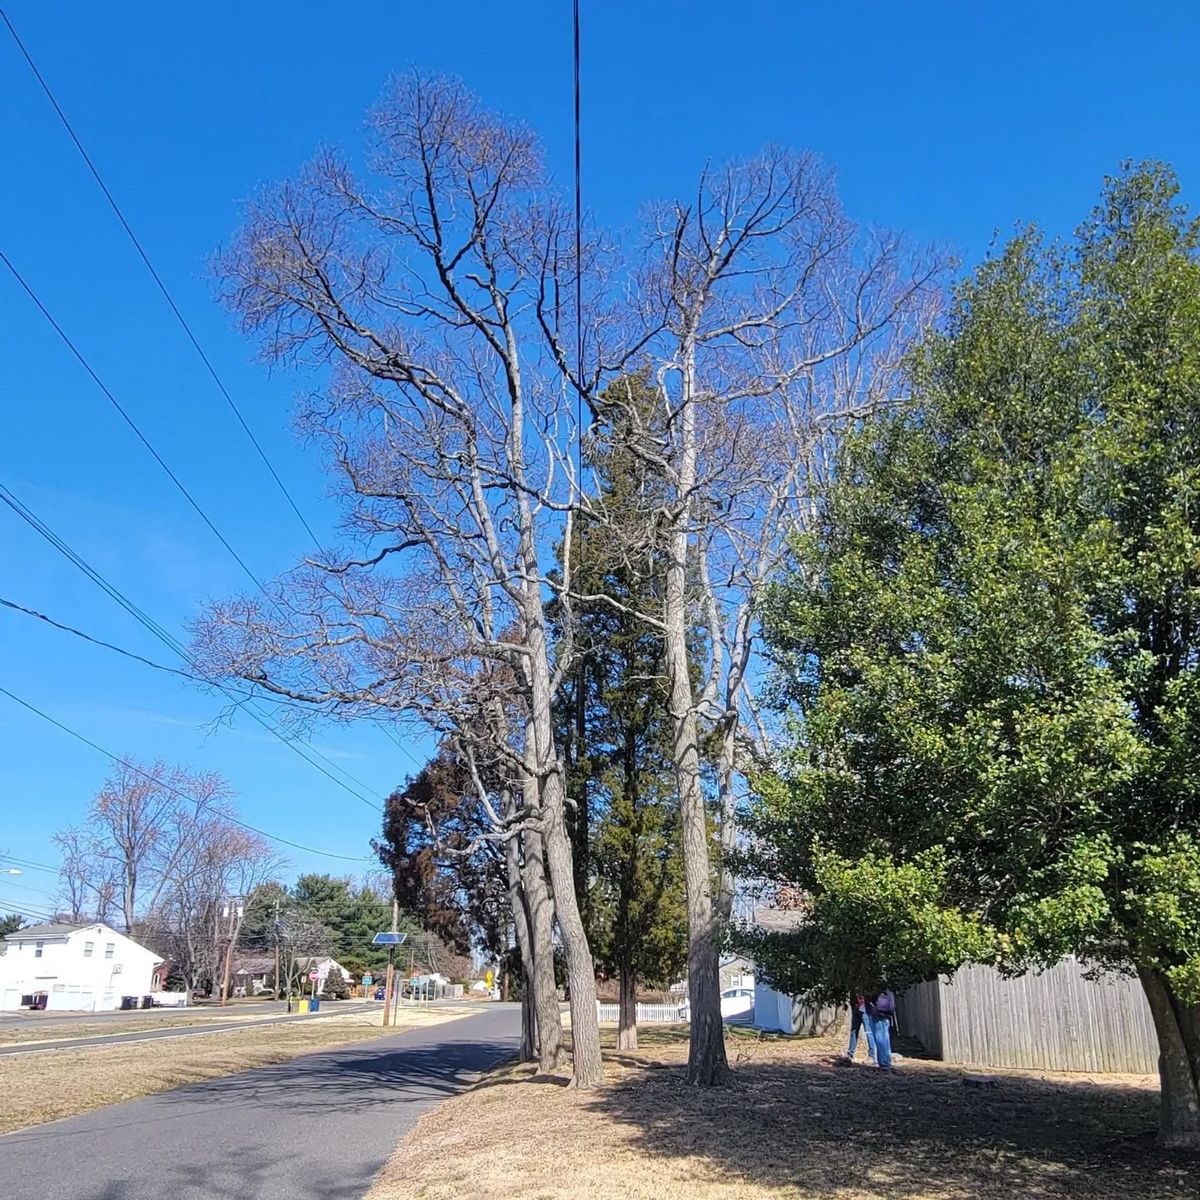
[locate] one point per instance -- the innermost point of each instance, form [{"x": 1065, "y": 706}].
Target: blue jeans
[
  {"x": 879, "y": 1030},
  {"x": 857, "y": 1016}
]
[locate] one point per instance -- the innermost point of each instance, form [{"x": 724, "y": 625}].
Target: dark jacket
[{"x": 883, "y": 1005}]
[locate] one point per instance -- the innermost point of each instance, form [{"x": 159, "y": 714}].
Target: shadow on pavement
[
  {"x": 347, "y": 1082},
  {"x": 250, "y": 1177}
]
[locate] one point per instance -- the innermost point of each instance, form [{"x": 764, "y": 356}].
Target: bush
[{"x": 335, "y": 986}]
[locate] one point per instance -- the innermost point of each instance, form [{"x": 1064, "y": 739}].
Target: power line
[
  {"x": 79, "y": 737},
  {"x": 162, "y": 287},
  {"x": 158, "y": 458},
  {"x": 27, "y": 863},
  {"x": 161, "y": 633},
  {"x": 87, "y": 637},
  {"x": 229, "y": 691},
  {"x": 188, "y": 675}
]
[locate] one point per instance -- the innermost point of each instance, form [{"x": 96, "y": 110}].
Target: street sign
[
  {"x": 313, "y": 976},
  {"x": 389, "y": 939},
  {"x": 489, "y": 978},
  {"x": 368, "y": 980}
]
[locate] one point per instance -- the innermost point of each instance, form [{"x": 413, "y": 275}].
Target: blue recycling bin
[{"x": 314, "y": 1005}]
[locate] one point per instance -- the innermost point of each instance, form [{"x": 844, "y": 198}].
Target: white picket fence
[{"x": 662, "y": 1013}]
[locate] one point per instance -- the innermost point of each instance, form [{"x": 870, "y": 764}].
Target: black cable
[
  {"x": 27, "y": 863},
  {"x": 7, "y": 497},
  {"x": 79, "y": 737},
  {"x": 157, "y": 666},
  {"x": 158, "y": 458},
  {"x": 162, "y": 287},
  {"x": 87, "y": 637},
  {"x": 581, "y": 670}
]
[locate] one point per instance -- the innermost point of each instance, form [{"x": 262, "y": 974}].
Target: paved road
[
  {"x": 67, "y": 1042},
  {"x": 316, "y": 1128},
  {"x": 24, "y": 1019}
]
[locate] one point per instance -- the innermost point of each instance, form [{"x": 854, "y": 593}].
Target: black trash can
[
  {"x": 128, "y": 1002},
  {"x": 147, "y": 1001}
]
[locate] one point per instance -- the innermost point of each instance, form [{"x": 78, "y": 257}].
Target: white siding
[{"x": 76, "y": 982}]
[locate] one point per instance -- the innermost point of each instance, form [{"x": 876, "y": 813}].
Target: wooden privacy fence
[
  {"x": 649, "y": 1013},
  {"x": 1057, "y": 1020}
]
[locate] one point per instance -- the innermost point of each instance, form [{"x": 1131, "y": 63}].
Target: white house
[
  {"x": 81, "y": 968},
  {"x": 322, "y": 966}
]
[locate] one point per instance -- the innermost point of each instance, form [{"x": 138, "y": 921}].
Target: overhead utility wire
[
  {"x": 162, "y": 287},
  {"x": 188, "y": 675},
  {"x": 7, "y": 497},
  {"x": 79, "y": 737},
  {"x": 27, "y": 864},
  {"x": 158, "y": 458}
]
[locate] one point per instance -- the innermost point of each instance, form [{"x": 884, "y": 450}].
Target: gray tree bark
[
  {"x": 627, "y": 1033},
  {"x": 541, "y": 927},
  {"x": 1178, "y": 1028},
  {"x": 707, "y": 1064}
]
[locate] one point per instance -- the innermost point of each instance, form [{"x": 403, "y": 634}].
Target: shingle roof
[
  {"x": 51, "y": 929},
  {"x": 779, "y": 920}
]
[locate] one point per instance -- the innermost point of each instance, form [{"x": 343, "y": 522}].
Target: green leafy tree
[
  {"x": 335, "y": 986},
  {"x": 11, "y": 924},
  {"x": 614, "y": 726},
  {"x": 989, "y": 651}
]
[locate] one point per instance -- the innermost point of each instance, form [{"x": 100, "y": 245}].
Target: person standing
[
  {"x": 878, "y": 1019},
  {"x": 858, "y": 1020}
]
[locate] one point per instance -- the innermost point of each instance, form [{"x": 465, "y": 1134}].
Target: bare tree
[
  {"x": 429, "y": 292},
  {"x": 87, "y": 882},
  {"x": 218, "y": 861},
  {"x": 141, "y": 825},
  {"x": 768, "y": 324}
]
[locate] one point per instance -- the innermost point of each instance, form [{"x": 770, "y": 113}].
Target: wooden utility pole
[
  {"x": 390, "y": 981},
  {"x": 275, "y": 928}
]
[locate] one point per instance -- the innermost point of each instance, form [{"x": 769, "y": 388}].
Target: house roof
[
  {"x": 50, "y": 929},
  {"x": 779, "y": 920},
  {"x": 253, "y": 963}
]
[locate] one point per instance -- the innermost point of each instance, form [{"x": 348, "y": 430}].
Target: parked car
[
  {"x": 737, "y": 1006},
  {"x": 379, "y": 993}
]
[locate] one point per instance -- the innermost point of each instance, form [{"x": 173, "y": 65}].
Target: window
[
  {"x": 108, "y": 949},
  {"x": 37, "y": 949},
  {"x": 88, "y": 947}
]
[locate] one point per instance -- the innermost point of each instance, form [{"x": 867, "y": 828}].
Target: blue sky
[{"x": 948, "y": 120}]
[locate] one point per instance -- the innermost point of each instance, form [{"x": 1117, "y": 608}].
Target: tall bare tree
[
  {"x": 768, "y": 323},
  {"x": 430, "y": 291}
]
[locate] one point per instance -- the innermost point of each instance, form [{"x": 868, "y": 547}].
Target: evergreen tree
[
  {"x": 613, "y": 724},
  {"x": 991, "y": 650}
]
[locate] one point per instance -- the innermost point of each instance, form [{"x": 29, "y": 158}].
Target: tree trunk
[
  {"x": 627, "y": 1010},
  {"x": 707, "y": 1065},
  {"x": 727, "y": 806},
  {"x": 588, "y": 1070},
  {"x": 519, "y": 905},
  {"x": 1178, "y": 1028},
  {"x": 541, "y": 928},
  {"x": 528, "y": 1020},
  {"x": 585, "y": 1025}
]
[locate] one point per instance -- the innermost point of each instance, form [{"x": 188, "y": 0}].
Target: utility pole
[
  {"x": 275, "y": 928},
  {"x": 234, "y": 911},
  {"x": 390, "y": 982}
]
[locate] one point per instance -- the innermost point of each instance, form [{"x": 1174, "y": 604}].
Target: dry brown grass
[
  {"x": 49, "y": 1084},
  {"x": 46, "y": 1029},
  {"x": 791, "y": 1126}
]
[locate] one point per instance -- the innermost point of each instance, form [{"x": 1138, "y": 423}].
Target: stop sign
[{"x": 314, "y": 976}]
